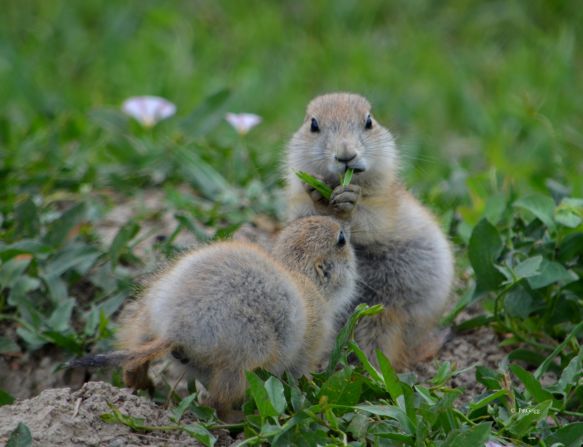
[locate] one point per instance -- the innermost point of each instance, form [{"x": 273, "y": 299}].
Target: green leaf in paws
[
  {"x": 318, "y": 185},
  {"x": 347, "y": 177}
]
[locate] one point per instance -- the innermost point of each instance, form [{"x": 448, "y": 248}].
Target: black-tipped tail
[{"x": 109, "y": 359}]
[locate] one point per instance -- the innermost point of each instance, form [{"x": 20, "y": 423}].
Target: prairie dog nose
[{"x": 345, "y": 157}]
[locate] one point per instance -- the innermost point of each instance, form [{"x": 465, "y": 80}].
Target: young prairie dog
[
  {"x": 404, "y": 259},
  {"x": 231, "y": 307}
]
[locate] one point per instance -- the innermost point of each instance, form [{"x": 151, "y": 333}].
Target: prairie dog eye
[
  {"x": 368, "y": 123},
  {"x": 341, "y": 239},
  {"x": 314, "y": 127}
]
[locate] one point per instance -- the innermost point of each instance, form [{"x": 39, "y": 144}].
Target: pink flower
[
  {"x": 243, "y": 122},
  {"x": 148, "y": 110}
]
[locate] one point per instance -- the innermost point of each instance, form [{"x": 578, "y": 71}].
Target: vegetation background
[{"x": 485, "y": 99}]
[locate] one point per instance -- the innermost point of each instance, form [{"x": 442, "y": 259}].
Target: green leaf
[
  {"x": 392, "y": 383},
  {"x": 20, "y": 437},
  {"x": 551, "y": 272},
  {"x": 570, "y": 212},
  {"x": 570, "y": 435},
  {"x": 347, "y": 177},
  {"x": 207, "y": 115},
  {"x": 124, "y": 235},
  {"x": 488, "y": 377},
  {"x": 484, "y": 248},
  {"x": 78, "y": 256},
  {"x": 525, "y": 419},
  {"x": 260, "y": 395},
  {"x": 5, "y": 398},
  {"x": 391, "y": 412},
  {"x": 201, "y": 434},
  {"x": 531, "y": 384},
  {"x": 443, "y": 374},
  {"x": 529, "y": 267},
  {"x": 11, "y": 271},
  {"x": 60, "y": 228},
  {"x": 275, "y": 391},
  {"x": 477, "y": 435},
  {"x": 486, "y": 400},
  {"x": 570, "y": 373},
  {"x": 60, "y": 319},
  {"x": 541, "y": 206},
  {"x": 362, "y": 358},
  {"x": 518, "y": 302},
  {"x": 25, "y": 246},
  {"x": 342, "y": 387},
  {"x": 495, "y": 207},
  {"x": 201, "y": 175},
  {"x": 315, "y": 183},
  {"x": 177, "y": 412},
  {"x": 343, "y": 338},
  {"x": 26, "y": 219}
]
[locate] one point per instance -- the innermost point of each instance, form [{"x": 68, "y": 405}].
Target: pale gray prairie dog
[
  {"x": 404, "y": 259},
  {"x": 231, "y": 307}
]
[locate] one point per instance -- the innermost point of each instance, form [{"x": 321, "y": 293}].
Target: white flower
[
  {"x": 243, "y": 122},
  {"x": 148, "y": 110}
]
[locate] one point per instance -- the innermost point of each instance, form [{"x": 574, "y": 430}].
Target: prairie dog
[
  {"x": 404, "y": 259},
  {"x": 231, "y": 307}
]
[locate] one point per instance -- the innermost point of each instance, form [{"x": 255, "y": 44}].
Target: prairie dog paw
[
  {"x": 345, "y": 198},
  {"x": 314, "y": 194}
]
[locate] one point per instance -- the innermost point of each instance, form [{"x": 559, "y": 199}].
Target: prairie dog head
[
  {"x": 319, "y": 248},
  {"x": 340, "y": 132}
]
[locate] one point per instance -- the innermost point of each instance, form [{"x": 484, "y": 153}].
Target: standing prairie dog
[
  {"x": 231, "y": 307},
  {"x": 404, "y": 259}
]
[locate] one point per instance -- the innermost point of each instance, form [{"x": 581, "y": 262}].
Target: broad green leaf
[
  {"x": 60, "y": 228},
  {"x": 5, "y": 398},
  {"x": 25, "y": 246},
  {"x": 124, "y": 235},
  {"x": 20, "y": 437},
  {"x": 78, "y": 256},
  {"x": 358, "y": 426},
  {"x": 177, "y": 412},
  {"x": 518, "y": 302},
  {"x": 483, "y": 251},
  {"x": 201, "y": 434},
  {"x": 495, "y": 207},
  {"x": 26, "y": 219},
  {"x": 488, "y": 377},
  {"x": 342, "y": 387},
  {"x": 570, "y": 374},
  {"x": 571, "y": 247},
  {"x": 443, "y": 374},
  {"x": 477, "y": 435},
  {"x": 275, "y": 391},
  {"x": 525, "y": 419},
  {"x": 260, "y": 395},
  {"x": 529, "y": 267},
  {"x": 391, "y": 412},
  {"x": 60, "y": 319},
  {"x": 551, "y": 272},
  {"x": 531, "y": 384},
  {"x": 12, "y": 270},
  {"x": 570, "y": 212},
  {"x": 21, "y": 288},
  {"x": 541, "y": 206},
  {"x": 570, "y": 435}
]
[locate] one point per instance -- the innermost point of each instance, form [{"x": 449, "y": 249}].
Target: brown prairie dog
[
  {"x": 404, "y": 259},
  {"x": 231, "y": 307}
]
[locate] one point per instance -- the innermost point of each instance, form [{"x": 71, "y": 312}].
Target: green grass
[{"x": 483, "y": 97}]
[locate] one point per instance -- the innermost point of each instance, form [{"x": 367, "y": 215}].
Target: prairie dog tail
[{"x": 129, "y": 359}]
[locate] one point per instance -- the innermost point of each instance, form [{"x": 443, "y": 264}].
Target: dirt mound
[{"x": 65, "y": 418}]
